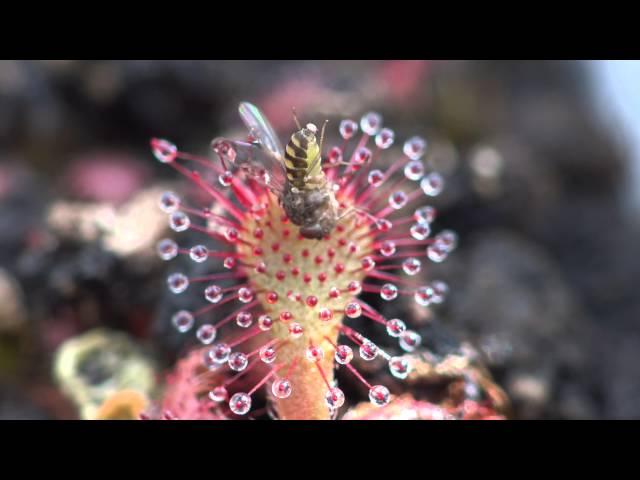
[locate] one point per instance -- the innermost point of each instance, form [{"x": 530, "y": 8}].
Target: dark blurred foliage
[{"x": 542, "y": 283}]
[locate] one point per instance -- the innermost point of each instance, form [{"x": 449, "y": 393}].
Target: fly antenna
[{"x": 295, "y": 118}]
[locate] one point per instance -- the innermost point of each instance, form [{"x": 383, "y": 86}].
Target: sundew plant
[{"x": 293, "y": 297}]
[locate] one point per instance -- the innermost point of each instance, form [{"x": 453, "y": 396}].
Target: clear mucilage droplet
[
  {"x": 348, "y": 128},
  {"x": 218, "y": 394},
  {"x": 238, "y": 361},
  {"x": 424, "y": 295},
  {"x": 389, "y": 292},
  {"x": 379, "y": 395},
  {"x": 219, "y": 353},
  {"x": 199, "y": 253},
  {"x": 169, "y": 202},
  {"x": 368, "y": 350},
  {"x": 206, "y": 333},
  {"x": 164, "y": 150},
  {"x": 240, "y": 403},
  {"x": 420, "y": 230},
  {"x": 385, "y": 138},
  {"x": 213, "y": 293},
  {"x": 414, "y": 148},
  {"x": 395, "y": 327},
  {"x": 432, "y": 185},
  {"x": 425, "y": 214},
  {"x": 281, "y": 388},
  {"x": 343, "y": 354},
  {"x": 334, "y": 398},
  {"x": 400, "y": 367},
  {"x": 182, "y": 321},
  {"x": 410, "y": 340},
  {"x": 268, "y": 354},
  {"x": 177, "y": 283},
  {"x": 411, "y": 266},
  {"x": 398, "y": 200},
  {"x": 179, "y": 221},
  {"x": 244, "y": 319},
  {"x": 167, "y": 249},
  {"x": 414, "y": 170},
  {"x": 375, "y": 178}
]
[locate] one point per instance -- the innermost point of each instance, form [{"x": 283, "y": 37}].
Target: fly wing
[
  {"x": 260, "y": 128},
  {"x": 253, "y": 159}
]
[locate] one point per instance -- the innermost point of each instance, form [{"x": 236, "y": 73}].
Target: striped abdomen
[{"x": 299, "y": 154}]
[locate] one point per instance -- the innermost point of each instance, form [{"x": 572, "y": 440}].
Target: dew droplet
[
  {"x": 395, "y": 327},
  {"x": 314, "y": 354},
  {"x": 400, "y": 367},
  {"x": 361, "y": 156},
  {"x": 420, "y": 230},
  {"x": 240, "y": 403},
  {"x": 218, "y": 394},
  {"x": 199, "y": 253},
  {"x": 432, "y": 184},
  {"x": 179, "y": 221},
  {"x": 371, "y": 123},
  {"x": 388, "y": 248},
  {"x": 296, "y": 330},
  {"x": 348, "y": 128},
  {"x": 354, "y": 287},
  {"x": 229, "y": 263},
  {"x": 397, "y": 200},
  {"x": 389, "y": 292},
  {"x": 169, "y": 202},
  {"x": 238, "y": 361},
  {"x": 177, "y": 283},
  {"x": 245, "y": 295},
  {"x": 167, "y": 249},
  {"x": 425, "y": 214},
  {"x": 411, "y": 266},
  {"x": 219, "y": 353},
  {"x": 265, "y": 322},
  {"x": 244, "y": 319},
  {"x": 182, "y": 321},
  {"x": 414, "y": 148},
  {"x": 379, "y": 395},
  {"x": 268, "y": 354},
  {"x": 447, "y": 239},
  {"x": 335, "y": 155},
  {"x": 385, "y": 138},
  {"x": 213, "y": 293},
  {"x": 375, "y": 178},
  {"x": 383, "y": 224},
  {"x": 344, "y": 354},
  {"x": 437, "y": 253},
  {"x": 281, "y": 388},
  {"x": 225, "y": 178},
  {"x": 353, "y": 310},
  {"x": 410, "y": 340},
  {"x": 440, "y": 290},
  {"x": 164, "y": 150},
  {"x": 206, "y": 334},
  {"x": 334, "y": 398},
  {"x": 231, "y": 234},
  {"x": 368, "y": 350},
  {"x": 325, "y": 314},
  {"x": 414, "y": 170},
  {"x": 368, "y": 264},
  {"x": 424, "y": 295}
]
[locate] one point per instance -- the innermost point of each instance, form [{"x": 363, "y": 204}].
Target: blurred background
[{"x": 541, "y": 158}]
